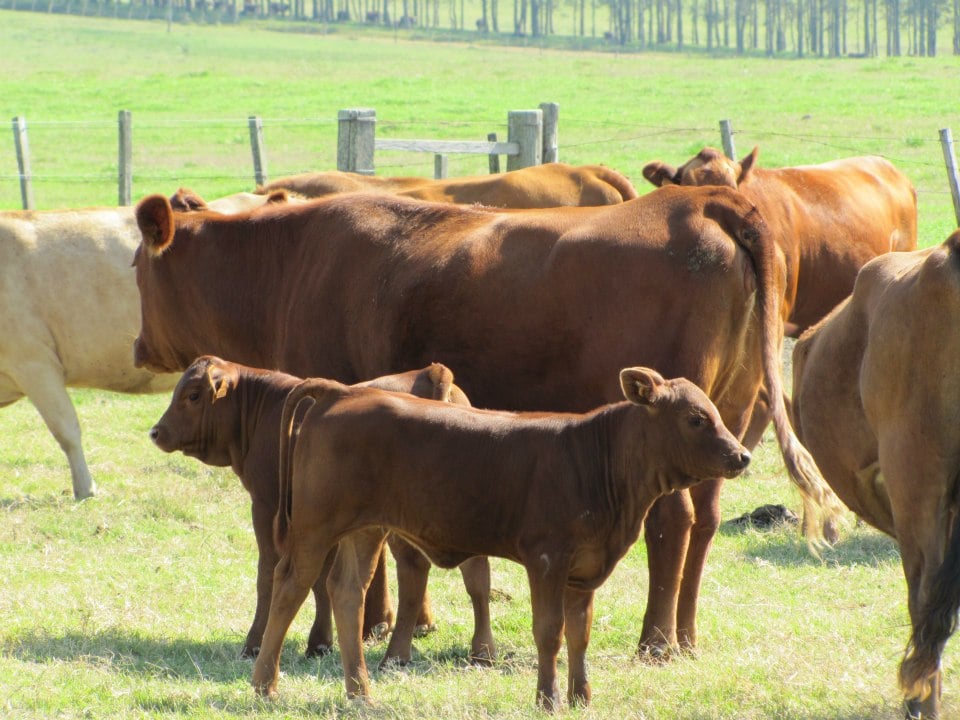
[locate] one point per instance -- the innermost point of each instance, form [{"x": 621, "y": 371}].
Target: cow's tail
[
  {"x": 619, "y": 183},
  {"x": 290, "y": 420},
  {"x": 937, "y": 621},
  {"x": 820, "y": 503}
]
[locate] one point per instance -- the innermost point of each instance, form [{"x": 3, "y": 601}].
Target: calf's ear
[
  {"x": 222, "y": 379},
  {"x": 641, "y": 386},
  {"x": 748, "y": 164},
  {"x": 659, "y": 173},
  {"x": 155, "y": 220}
]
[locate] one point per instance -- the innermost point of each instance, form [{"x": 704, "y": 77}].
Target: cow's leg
[
  {"x": 578, "y": 614},
  {"x": 667, "y": 534},
  {"x": 413, "y": 569},
  {"x": 378, "y": 613},
  {"x": 352, "y": 572},
  {"x": 706, "y": 504},
  {"x": 320, "y": 640},
  {"x": 547, "y": 575},
  {"x": 476, "y": 579},
  {"x": 44, "y": 386},
  {"x": 295, "y": 574}
]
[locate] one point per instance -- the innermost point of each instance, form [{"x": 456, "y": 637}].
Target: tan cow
[
  {"x": 223, "y": 413},
  {"x": 565, "y": 495},
  {"x": 876, "y": 398},
  {"x": 538, "y": 186},
  {"x": 536, "y": 309},
  {"x": 70, "y": 312},
  {"x": 828, "y": 219}
]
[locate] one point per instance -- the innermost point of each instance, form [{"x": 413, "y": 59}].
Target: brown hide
[
  {"x": 534, "y": 309},
  {"x": 539, "y": 186},
  {"x": 828, "y": 219},
  {"x": 876, "y": 398},
  {"x": 223, "y": 413},
  {"x": 563, "y": 494}
]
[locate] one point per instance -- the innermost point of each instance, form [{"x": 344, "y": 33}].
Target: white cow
[{"x": 69, "y": 312}]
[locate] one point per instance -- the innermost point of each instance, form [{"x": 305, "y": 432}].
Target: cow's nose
[
  {"x": 743, "y": 458},
  {"x": 155, "y": 432}
]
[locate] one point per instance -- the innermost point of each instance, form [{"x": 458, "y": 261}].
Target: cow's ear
[
  {"x": 155, "y": 220},
  {"x": 641, "y": 386},
  {"x": 659, "y": 173},
  {"x": 186, "y": 200},
  {"x": 441, "y": 377},
  {"x": 748, "y": 164},
  {"x": 223, "y": 378},
  {"x": 277, "y": 196}
]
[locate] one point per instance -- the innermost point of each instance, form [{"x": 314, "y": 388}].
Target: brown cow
[
  {"x": 223, "y": 414},
  {"x": 828, "y": 219},
  {"x": 875, "y": 400},
  {"x": 539, "y": 186},
  {"x": 565, "y": 495},
  {"x": 536, "y": 309}
]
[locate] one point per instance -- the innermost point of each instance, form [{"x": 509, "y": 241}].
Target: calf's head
[
  {"x": 685, "y": 435},
  {"x": 201, "y": 417},
  {"x": 708, "y": 167}
]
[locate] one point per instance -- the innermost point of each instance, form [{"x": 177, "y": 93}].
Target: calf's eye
[
  {"x": 194, "y": 396},
  {"x": 697, "y": 421}
]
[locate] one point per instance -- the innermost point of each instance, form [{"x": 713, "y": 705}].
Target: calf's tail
[
  {"x": 820, "y": 503},
  {"x": 938, "y": 621},
  {"x": 290, "y": 420}
]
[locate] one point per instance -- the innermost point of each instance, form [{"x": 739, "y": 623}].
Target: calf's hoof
[
  {"x": 483, "y": 657},
  {"x": 393, "y": 662},
  {"x": 377, "y": 633},
  {"x": 424, "y": 630},
  {"x": 249, "y": 653},
  {"x": 655, "y": 653},
  {"x": 317, "y": 651}
]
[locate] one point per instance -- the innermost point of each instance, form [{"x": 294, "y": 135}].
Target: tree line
[{"x": 824, "y": 28}]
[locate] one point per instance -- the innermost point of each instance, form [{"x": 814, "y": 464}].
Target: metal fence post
[
  {"x": 256, "y": 146},
  {"x": 551, "y": 122},
  {"x": 125, "y": 163},
  {"x": 946, "y": 142},
  {"x": 726, "y": 136}
]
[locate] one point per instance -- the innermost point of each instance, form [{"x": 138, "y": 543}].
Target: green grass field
[{"x": 134, "y": 604}]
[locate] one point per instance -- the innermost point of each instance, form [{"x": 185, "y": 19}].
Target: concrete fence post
[
  {"x": 525, "y": 127},
  {"x": 356, "y": 132},
  {"x": 551, "y": 124},
  {"x": 256, "y": 147}
]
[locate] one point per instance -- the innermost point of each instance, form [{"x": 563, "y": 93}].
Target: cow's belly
[{"x": 591, "y": 566}]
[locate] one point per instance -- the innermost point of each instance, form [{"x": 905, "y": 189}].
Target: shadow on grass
[{"x": 785, "y": 546}]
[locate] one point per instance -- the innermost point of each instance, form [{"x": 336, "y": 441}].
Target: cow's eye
[
  {"x": 194, "y": 396},
  {"x": 697, "y": 421}
]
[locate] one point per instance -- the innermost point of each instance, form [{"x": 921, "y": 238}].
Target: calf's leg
[
  {"x": 352, "y": 572},
  {"x": 578, "y": 614},
  {"x": 476, "y": 579},
  {"x": 412, "y": 572},
  {"x": 378, "y": 613},
  {"x": 546, "y": 596}
]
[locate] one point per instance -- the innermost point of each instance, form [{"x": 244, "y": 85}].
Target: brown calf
[
  {"x": 565, "y": 495},
  {"x": 224, "y": 414}
]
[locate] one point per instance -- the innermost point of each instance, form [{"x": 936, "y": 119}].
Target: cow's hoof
[
  {"x": 249, "y": 653},
  {"x": 482, "y": 658},
  {"x": 424, "y": 630},
  {"x": 377, "y": 633},
  {"x": 393, "y": 663},
  {"x": 317, "y": 651},
  {"x": 655, "y": 653}
]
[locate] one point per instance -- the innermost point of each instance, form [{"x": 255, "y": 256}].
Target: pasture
[{"x": 135, "y": 603}]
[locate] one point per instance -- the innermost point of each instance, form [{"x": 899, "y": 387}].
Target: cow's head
[
  {"x": 201, "y": 418},
  {"x": 709, "y": 167},
  {"x": 684, "y": 432}
]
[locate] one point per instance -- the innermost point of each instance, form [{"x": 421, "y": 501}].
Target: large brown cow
[
  {"x": 828, "y": 219},
  {"x": 223, "y": 413},
  {"x": 534, "y": 309},
  {"x": 875, "y": 400},
  {"x": 538, "y": 186},
  {"x": 565, "y": 495}
]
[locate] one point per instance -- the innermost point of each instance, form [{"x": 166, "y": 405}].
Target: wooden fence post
[
  {"x": 439, "y": 166},
  {"x": 726, "y": 136},
  {"x": 551, "y": 123},
  {"x": 356, "y": 131},
  {"x": 256, "y": 146},
  {"x": 23, "y": 161},
  {"x": 125, "y": 162},
  {"x": 494, "y": 158},
  {"x": 946, "y": 142},
  {"x": 525, "y": 127}
]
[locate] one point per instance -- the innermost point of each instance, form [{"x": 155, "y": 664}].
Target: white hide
[{"x": 69, "y": 313}]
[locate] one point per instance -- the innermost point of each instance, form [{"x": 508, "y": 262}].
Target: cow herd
[{"x": 538, "y": 366}]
